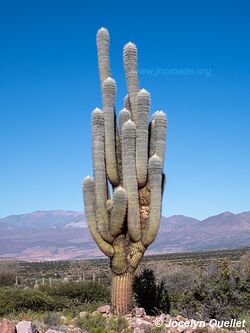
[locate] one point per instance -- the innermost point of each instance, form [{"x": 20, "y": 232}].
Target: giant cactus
[{"x": 129, "y": 156}]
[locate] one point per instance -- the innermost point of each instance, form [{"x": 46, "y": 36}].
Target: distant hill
[{"x": 58, "y": 234}]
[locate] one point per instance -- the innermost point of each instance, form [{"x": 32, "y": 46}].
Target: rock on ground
[
  {"x": 138, "y": 312},
  {"x": 26, "y": 327},
  {"x": 104, "y": 309},
  {"x": 7, "y": 326},
  {"x": 136, "y": 323}
]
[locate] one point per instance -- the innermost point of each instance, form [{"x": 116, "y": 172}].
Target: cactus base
[{"x": 122, "y": 293}]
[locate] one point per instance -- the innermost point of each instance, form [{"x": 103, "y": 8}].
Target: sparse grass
[
  {"x": 95, "y": 323},
  {"x": 90, "y": 322},
  {"x": 72, "y": 312},
  {"x": 51, "y": 319},
  {"x": 25, "y": 315},
  {"x": 117, "y": 324},
  {"x": 246, "y": 316}
]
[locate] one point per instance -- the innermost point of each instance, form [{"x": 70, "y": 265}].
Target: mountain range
[{"x": 61, "y": 235}]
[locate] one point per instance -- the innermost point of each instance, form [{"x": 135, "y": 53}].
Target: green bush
[
  {"x": 83, "y": 295},
  {"x": 162, "y": 298},
  {"x": 80, "y": 292},
  {"x": 220, "y": 291},
  {"x": 15, "y": 300},
  {"x": 7, "y": 279},
  {"x": 151, "y": 296}
]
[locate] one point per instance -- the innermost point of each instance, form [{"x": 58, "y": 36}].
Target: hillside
[{"x": 54, "y": 235}]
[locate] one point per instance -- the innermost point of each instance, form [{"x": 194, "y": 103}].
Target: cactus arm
[
  {"x": 127, "y": 103},
  {"x": 131, "y": 72},
  {"x": 124, "y": 115},
  {"x": 102, "y": 40},
  {"x": 135, "y": 254},
  {"x": 119, "y": 263},
  {"x": 118, "y": 212},
  {"x": 129, "y": 179},
  {"x": 152, "y": 137},
  {"x": 142, "y": 111},
  {"x": 118, "y": 146},
  {"x": 89, "y": 207},
  {"x": 101, "y": 189},
  {"x": 160, "y": 122},
  {"x": 108, "y": 101},
  {"x": 155, "y": 183}
]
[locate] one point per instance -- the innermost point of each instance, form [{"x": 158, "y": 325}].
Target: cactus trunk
[
  {"x": 128, "y": 161},
  {"x": 122, "y": 293}
]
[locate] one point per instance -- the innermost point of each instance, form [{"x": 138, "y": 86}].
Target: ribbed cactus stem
[
  {"x": 99, "y": 167},
  {"x": 155, "y": 184},
  {"x": 136, "y": 253},
  {"x": 160, "y": 128},
  {"x": 89, "y": 208},
  {"x": 108, "y": 101},
  {"x": 131, "y": 72},
  {"x": 152, "y": 137},
  {"x": 135, "y": 260},
  {"x": 122, "y": 293},
  {"x": 118, "y": 149},
  {"x": 102, "y": 40},
  {"x": 118, "y": 212},
  {"x": 127, "y": 103},
  {"x": 119, "y": 262},
  {"x": 142, "y": 112},
  {"x": 129, "y": 178},
  {"x": 124, "y": 115}
]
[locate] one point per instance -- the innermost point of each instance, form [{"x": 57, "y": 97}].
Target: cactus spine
[{"x": 131, "y": 158}]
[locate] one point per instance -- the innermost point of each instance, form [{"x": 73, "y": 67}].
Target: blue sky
[{"x": 193, "y": 58}]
